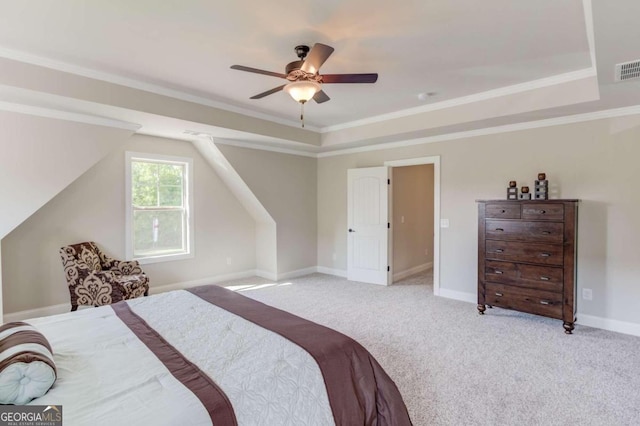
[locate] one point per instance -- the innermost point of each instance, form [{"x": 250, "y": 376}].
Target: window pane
[
  {"x": 157, "y": 232},
  {"x": 170, "y": 174},
  {"x": 170, "y": 196},
  {"x": 144, "y": 182}
]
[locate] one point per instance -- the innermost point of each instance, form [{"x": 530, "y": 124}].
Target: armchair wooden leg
[
  {"x": 146, "y": 293},
  {"x": 74, "y": 308}
]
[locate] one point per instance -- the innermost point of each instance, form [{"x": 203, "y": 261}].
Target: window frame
[{"x": 189, "y": 253}]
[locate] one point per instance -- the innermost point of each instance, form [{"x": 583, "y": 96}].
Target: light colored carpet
[{"x": 455, "y": 367}]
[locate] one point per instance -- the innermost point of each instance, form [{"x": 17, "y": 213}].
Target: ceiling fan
[{"x": 305, "y": 82}]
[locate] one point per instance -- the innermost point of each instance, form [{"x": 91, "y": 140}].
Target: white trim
[
  {"x": 464, "y": 100},
  {"x": 250, "y": 145},
  {"x": 556, "y": 121},
  {"x": 266, "y": 275},
  {"x": 591, "y": 38},
  {"x": 459, "y": 295},
  {"x": 68, "y": 116},
  {"x": 203, "y": 281},
  {"x": 397, "y": 276},
  {"x": 331, "y": 271},
  {"x": 297, "y": 273},
  {"x": 38, "y": 312},
  {"x": 189, "y": 186},
  {"x": 141, "y": 85},
  {"x": 608, "y": 324},
  {"x": 435, "y": 160}
]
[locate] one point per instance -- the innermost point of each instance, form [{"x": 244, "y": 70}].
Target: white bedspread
[{"x": 106, "y": 376}]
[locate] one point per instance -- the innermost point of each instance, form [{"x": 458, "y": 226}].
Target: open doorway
[{"x": 414, "y": 212}]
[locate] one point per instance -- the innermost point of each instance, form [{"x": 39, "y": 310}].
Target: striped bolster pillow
[{"x": 27, "y": 370}]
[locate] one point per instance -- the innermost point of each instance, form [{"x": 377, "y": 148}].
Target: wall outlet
[
  {"x": 444, "y": 223},
  {"x": 426, "y": 252},
  {"x": 587, "y": 294},
  {"x": 334, "y": 257},
  {"x": 229, "y": 261},
  {"x": 401, "y": 219}
]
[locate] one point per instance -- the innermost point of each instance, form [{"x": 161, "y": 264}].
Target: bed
[{"x": 208, "y": 355}]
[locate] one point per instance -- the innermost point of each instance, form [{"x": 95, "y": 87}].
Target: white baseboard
[
  {"x": 330, "y": 271},
  {"x": 412, "y": 271},
  {"x": 266, "y": 275},
  {"x": 297, "y": 273},
  {"x": 203, "y": 281},
  {"x": 66, "y": 307},
  {"x": 38, "y": 312},
  {"x": 608, "y": 324},
  {"x": 458, "y": 295}
]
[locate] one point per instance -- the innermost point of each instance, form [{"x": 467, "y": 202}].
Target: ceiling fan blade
[
  {"x": 257, "y": 71},
  {"x": 268, "y": 92},
  {"x": 319, "y": 53},
  {"x": 350, "y": 78},
  {"x": 321, "y": 97}
]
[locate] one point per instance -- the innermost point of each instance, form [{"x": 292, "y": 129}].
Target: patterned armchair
[{"x": 96, "y": 279}]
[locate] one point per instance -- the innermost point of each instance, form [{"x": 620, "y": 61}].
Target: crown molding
[
  {"x": 464, "y": 100},
  {"x": 188, "y": 97},
  {"x": 557, "y": 121},
  {"x": 68, "y": 116},
  {"x": 141, "y": 85},
  {"x": 251, "y": 145}
]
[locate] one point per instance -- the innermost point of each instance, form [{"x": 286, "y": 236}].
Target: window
[{"x": 159, "y": 201}]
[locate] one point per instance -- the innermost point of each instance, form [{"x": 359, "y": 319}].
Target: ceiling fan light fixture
[{"x": 302, "y": 91}]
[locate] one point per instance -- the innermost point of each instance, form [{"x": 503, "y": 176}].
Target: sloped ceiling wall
[{"x": 41, "y": 156}]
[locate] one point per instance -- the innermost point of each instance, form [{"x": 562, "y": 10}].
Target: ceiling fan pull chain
[{"x": 302, "y": 113}]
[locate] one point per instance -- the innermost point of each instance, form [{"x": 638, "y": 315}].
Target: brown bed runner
[
  {"x": 360, "y": 392},
  {"x": 212, "y": 397}
]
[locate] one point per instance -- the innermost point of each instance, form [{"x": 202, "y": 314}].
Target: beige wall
[
  {"x": 595, "y": 161},
  {"x": 40, "y": 156},
  {"x": 413, "y": 201},
  {"x": 93, "y": 208},
  {"x": 286, "y": 186}
]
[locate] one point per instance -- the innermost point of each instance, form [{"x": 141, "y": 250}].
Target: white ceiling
[{"x": 453, "y": 47}]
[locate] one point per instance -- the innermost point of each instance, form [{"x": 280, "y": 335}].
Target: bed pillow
[{"x": 27, "y": 370}]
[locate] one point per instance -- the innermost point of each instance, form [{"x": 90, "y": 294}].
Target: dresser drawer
[
  {"x": 526, "y": 300},
  {"x": 547, "y": 278},
  {"x": 502, "y": 210},
  {"x": 543, "y": 211},
  {"x": 515, "y": 251},
  {"x": 551, "y": 232}
]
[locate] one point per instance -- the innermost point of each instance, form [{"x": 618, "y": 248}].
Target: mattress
[{"x": 208, "y": 356}]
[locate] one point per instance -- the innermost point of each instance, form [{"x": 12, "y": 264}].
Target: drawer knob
[
  {"x": 544, "y": 278},
  {"x": 546, "y": 232},
  {"x": 545, "y": 254},
  {"x": 499, "y": 229},
  {"x": 503, "y": 211},
  {"x": 499, "y": 251},
  {"x": 544, "y": 302},
  {"x": 498, "y": 272},
  {"x": 542, "y": 211},
  {"x": 499, "y": 294}
]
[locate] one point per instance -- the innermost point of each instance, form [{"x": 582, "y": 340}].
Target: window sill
[{"x": 164, "y": 258}]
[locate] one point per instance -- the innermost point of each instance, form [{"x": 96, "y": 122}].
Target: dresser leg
[
  {"x": 568, "y": 327},
  {"x": 481, "y": 309}
]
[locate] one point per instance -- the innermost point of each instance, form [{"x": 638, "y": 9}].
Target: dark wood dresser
[{"x": 527, "y": 257}]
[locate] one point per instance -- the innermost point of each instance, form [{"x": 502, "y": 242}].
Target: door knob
[{"x": 351, "y": 230}]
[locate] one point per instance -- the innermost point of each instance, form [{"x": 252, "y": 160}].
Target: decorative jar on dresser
[{"x": 527, "y": 257}]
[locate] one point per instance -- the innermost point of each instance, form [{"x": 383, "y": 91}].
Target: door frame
[{"x": 435, "y": 160}]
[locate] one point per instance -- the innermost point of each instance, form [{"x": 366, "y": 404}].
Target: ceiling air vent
[{"x": 628, "y": 71}]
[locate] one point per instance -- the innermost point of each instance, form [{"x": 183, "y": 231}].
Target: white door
[{"x": 367, "y": 218}]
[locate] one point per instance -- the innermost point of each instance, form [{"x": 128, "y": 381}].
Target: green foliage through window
[{"x": 158, "y": 202}]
